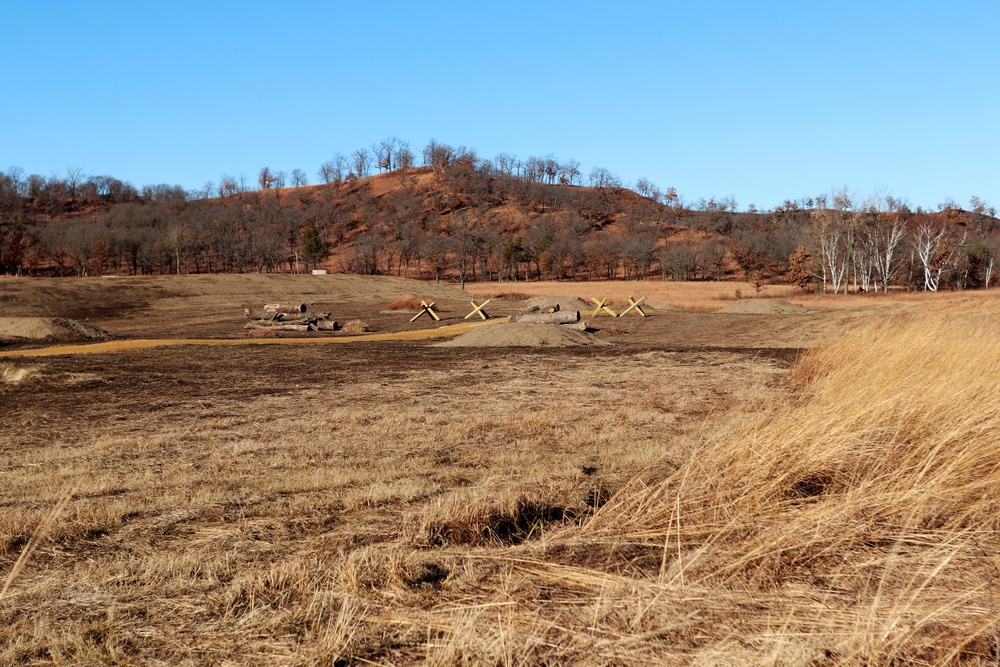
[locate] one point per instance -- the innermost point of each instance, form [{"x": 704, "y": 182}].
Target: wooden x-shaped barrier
[
  {"x": 478, "y": 310},
  {"x": 427, "y": 308},
  {"x": 634, "y": 305},
  {"x": 603, "y": 305}
]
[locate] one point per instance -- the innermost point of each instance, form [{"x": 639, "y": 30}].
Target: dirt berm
[{"x": 19, "y": 329}]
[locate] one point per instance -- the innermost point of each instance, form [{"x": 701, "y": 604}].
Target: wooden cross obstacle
[
  {"x": 478, "y": 310},
  {"x": 603, "y": 305},
  {"x": 426, "y": 308},
  {"x": 634, "y": 305}
]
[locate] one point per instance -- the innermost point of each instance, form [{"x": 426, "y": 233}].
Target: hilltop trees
[{"x": 503, "y": 218}]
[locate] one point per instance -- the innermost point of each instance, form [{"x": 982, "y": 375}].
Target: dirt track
[{"x": 113, "y": 346}]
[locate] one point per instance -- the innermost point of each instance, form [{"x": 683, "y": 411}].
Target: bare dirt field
[{"x": 389, "y": 500}]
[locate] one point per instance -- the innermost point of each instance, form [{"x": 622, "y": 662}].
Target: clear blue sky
[{"x": 762, "y": 101}]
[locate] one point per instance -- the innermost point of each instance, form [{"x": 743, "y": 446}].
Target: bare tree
[
  {"x": 884, "y": 230},
  {"x": 332, "y": 171},
  {"x": 228, "y": 185},
  {"x": 504, "y": 163},
  {"x": 404, "y": 156},
  {"x": 326, "y": 172},
  {"x": 938, "y": 251},
  {"x": 265, "y": 179},
  {"x": 569, "y": 173},
  {"x": 647, "y": 188},
  {"x": 385, "y": 152},
  {"x": 299, "y": 178},
  {"x": 438, "y": 155},
  {"x": 603, "y": 178},
  {"x": 361, "y": 161},
  {"x": 74, "y": 177},
  {"x": 550, "y": 169}
]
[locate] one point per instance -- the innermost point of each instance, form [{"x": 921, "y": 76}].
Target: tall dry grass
[
  {"x": 849, "y": 517},
  {"x": 855, "y": 523},
  {"x": 875, "y": 493}
]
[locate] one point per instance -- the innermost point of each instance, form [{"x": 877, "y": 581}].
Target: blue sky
[{"x": 761, "y": 101}]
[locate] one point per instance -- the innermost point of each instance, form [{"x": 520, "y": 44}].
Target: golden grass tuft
[
  {"x": 404, "y": 303},
  {"x": 876, "y": 492},
  {"x": 355, "y": 327}
]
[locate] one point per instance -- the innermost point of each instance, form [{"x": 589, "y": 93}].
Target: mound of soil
[
  {"x": 48, "y": 328},
  {"x": 524, "y": 335},
  {"x": 763, "y": 307},
  {"x": 543, "y": 303}
]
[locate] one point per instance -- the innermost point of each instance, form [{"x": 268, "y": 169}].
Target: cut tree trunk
[
  {"x": 308, "y": 318},
  {"x": 285, "y": 307},
  {"x": 577, "y": 326},
  {"x": 277, "y": 327},
  {"x": 253, "y": 314},
  {"x": 559, "y": 317}
]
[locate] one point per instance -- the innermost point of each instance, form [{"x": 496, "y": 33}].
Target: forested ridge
[{"x": 461, "y": 217}]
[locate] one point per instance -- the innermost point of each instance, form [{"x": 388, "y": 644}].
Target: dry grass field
[{"x": 808, "y": 489}]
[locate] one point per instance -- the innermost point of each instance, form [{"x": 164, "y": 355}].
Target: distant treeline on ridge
[{"x": 460, "y": 217}]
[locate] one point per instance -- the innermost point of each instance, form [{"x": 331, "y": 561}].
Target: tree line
[{"x": 462, "y": 217}]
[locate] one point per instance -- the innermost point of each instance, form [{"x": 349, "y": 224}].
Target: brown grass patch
[
  {"x": 402, "y": 503},
  {"x": 355, "y": 327},
  {"x": 404, "y": 303},
  {"x": 511, "y": 296}
]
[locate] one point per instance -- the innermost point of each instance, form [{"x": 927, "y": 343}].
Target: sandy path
[{"x": 142, "y": 344}]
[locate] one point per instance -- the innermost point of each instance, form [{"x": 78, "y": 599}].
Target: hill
[{"x": 466, "y": 219}]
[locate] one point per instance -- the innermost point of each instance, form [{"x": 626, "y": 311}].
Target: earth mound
[
  {"x": 763, "y": 307},
  {"x": 48, "y": 328},
  {"x": 524, "y": 335},
  {"x": 543, "y": 303}
]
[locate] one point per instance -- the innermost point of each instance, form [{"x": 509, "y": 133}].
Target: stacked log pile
[{"x": 288, "y": 317}]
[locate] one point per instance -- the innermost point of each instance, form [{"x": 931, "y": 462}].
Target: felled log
[
  {"x": 276, "y": 327},
  {"x": 285, "y": 307},
  {"x": 577, "y": 326},
  {"x": 253, "y": 314},
  {"x": 300, "y": 318},
  {"x": 325, "y": 325},
  {"x": 290, "y": 318},
  {"x": 558, "y": 317}
]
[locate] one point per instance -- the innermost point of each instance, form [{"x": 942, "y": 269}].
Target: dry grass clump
[
  {"x": 876, "y": 494},
  {"x": 511, "y": 516},
  {"x": 404, "y": 303},
  {"x": 355, "y": 327},
  {"x": 512, "y": 296}
]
